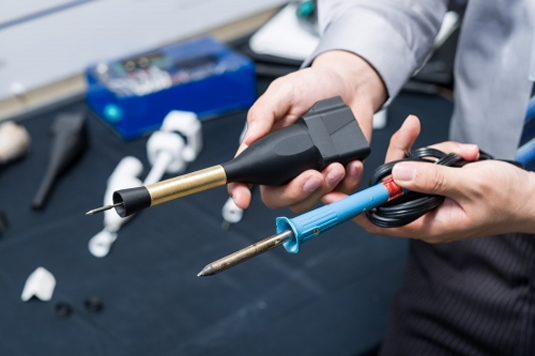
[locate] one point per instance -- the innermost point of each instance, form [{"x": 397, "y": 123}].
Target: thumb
[
  {"x": 270, "y": 107},
  {"x": 429, "y": 178}
]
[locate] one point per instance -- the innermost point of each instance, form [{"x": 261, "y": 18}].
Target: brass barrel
[{"x": 187, "y": 184}]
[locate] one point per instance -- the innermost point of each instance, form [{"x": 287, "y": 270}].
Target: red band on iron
[{"x": 393, "y": 189}]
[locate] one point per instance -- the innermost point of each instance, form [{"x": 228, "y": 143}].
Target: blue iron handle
[{"x": 317, "y": 221}]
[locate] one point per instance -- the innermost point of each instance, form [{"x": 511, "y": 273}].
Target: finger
[
  {"x": 433, "y": 227},
  {"x": 296, "y": 190},
  {"x": 412, "y": 230},
  {"x": 333, "y": 197},
  {"x": 352, "y": 178},
  {"x": 430, "y": 178},
  {"x": 403, "y": 139},
  {"x": 240, "y": 194},
  {"x": 332, "y": 176},
  {"x": 304, "y": 191},
  {"x": 469, "y": 152},
  {"x": 274, "y": 104}
]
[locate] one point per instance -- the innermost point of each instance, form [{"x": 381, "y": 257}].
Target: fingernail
[
  {"x": 405, "y": 122},
  {"x": 353, "y": 170},
  {"x": 334, "y": 177},
  {"x": 236, "y": 198},
  {"x": 468, "y": 146},
  {"x": 242, "y": 148},
  {"x": 404, "y": 172},
  {"x": 312, "y": 184}
]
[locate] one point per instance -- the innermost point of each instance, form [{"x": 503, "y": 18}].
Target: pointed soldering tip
[
  {"x": 208, "y": 270},
  {"x": 102, "y": 208}
]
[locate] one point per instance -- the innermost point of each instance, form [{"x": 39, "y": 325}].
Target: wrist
[
  {"x": 363, "y": 89},
  {"x": 360, "y": 78}
]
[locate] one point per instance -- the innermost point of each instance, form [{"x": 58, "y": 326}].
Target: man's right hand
[{"x": 334, "y": 73}]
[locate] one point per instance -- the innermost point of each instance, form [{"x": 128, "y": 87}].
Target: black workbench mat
[{"x": 331, "y": 299}]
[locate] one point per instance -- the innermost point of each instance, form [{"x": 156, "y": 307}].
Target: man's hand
[
  {"x": 335, "y": 73},
  {"x": 482, "y": 198}
]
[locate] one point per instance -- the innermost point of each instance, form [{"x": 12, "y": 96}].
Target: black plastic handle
[{"x": 327, "y": 133}]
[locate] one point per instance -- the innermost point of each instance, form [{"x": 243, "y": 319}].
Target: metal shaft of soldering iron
[
  {"x": 293, "y": 232},
  {"x": 327, "y": 133},
  {"x": 246, "y": 253}
]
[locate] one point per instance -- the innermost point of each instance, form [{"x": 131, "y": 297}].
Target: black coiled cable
[{"x": 411, "y": 205}]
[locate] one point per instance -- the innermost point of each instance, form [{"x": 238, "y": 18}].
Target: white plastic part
[
  {"x": 14, "y": 141},
  {"x": 380, "y": 119},
  {"x": 231, "y": 212},
  {"x": 165, "y": 154},
  {"x": 166, "y": 151},
  {"x": 40, "y": 283},
  {"x": 124, "y": 176},
  {"x": 187, "y": 124},
  {"x": 100, "y": 244}
]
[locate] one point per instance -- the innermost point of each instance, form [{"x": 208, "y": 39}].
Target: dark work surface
[{"x": 332, "y": 298}]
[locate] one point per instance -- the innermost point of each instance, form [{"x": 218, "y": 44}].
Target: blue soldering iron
[
  {"x": 291, "y": 233},
  {"x": 385, "y": 203}
]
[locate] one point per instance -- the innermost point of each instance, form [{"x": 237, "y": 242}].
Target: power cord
[{"x": 411, "y": 205}]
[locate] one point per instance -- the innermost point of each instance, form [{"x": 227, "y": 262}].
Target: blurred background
[{"x": 91, "y": 93}]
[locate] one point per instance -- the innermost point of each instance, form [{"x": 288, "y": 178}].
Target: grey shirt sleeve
[{"x": 394, "y": 36}]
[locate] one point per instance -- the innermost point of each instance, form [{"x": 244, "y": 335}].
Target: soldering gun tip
[
  {"x": 102, "y": 208},
  {"x": 208, "y": 270}
]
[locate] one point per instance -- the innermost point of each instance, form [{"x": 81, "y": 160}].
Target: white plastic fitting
[
  {"x": 187, "y": 124},
  {"x": 14, "y": 141},
  {"x": 232, "y": 214},
  {"x": 124, "y": 176},
  {"x": 40, "y": 283},
  {"x": 165, "y": 153},
  {"x": 380, "y": 119}
]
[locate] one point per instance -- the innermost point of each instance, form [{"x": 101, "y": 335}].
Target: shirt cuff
[{"x": 370, "y": 36}]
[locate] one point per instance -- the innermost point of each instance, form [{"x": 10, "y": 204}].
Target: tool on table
[
  {"x": 4, "y": 222},
  {"x": 385, "y": 203},
  {"x": 327, "y": 133},
  {"x": 167, "y": 153},
  {"x": 14, "y": 142},
  {"x": 68, "y": 141}
]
